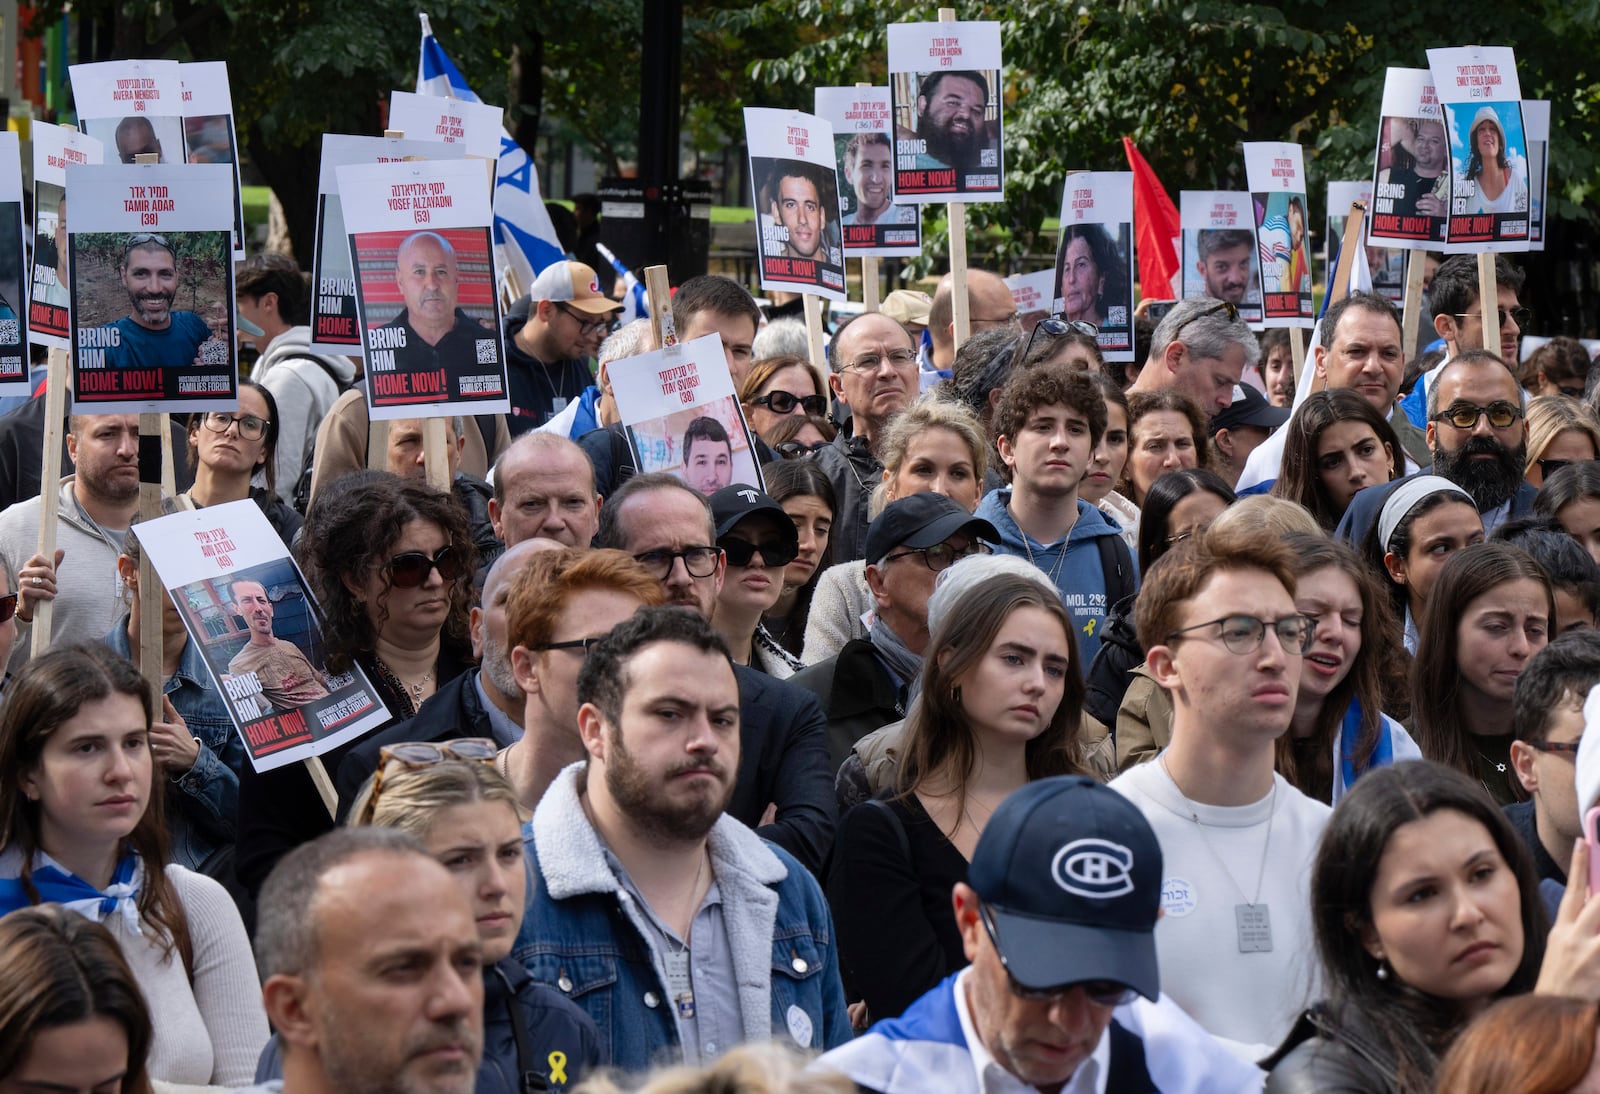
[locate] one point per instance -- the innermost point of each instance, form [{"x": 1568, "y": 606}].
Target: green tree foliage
[{"x": 1189, "y": 80}]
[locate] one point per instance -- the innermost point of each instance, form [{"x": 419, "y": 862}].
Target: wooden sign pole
[
  {"x": 958, "y": 249},
  {"x": 58, "y": 376},
  {"x": 155, "y": 459},
  {"x": 1489, "y": 306},
  {"x": 1416, "y": 266},
  {"x": 1338, "y": 285},
  {"x": 658, "y": 297},
  {"x": 819, "y": 356}
]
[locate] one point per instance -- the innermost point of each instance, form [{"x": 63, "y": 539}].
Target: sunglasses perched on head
[
  {"x": 409, "y": 569},
  {"x": 412, "y": 755}
]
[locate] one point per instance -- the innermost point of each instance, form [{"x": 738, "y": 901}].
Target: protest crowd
[{"x": 1103, "y": 700}]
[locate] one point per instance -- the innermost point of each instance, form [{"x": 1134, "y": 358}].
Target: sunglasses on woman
[
  {"x": 784, "y": 402},
  {"x": 794, "y": 450},
  {"x": 8, "y": 606},
  {"x": 773, "y": 552},
  {"x": 409, "y": 569},
  {"x": 413, "y": 755}
]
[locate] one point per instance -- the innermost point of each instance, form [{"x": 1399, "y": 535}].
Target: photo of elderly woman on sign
[{"x": 1091, "y": 274}]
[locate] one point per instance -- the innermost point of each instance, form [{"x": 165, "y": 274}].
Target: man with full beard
[
  {"x": 152, "y": 334},
  {"x": 952, "y": 117},
  {"x": 1479, "y": 435},
  {"x": 634, "y": 857}
]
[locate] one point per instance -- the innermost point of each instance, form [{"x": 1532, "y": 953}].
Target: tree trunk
[
  {"x": 292, "y": 174},
  {"x": 527, "y": 90}
]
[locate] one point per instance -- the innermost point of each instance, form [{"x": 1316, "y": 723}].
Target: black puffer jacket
[
  {"x": 1111, "y": 671},
  {"x": 1322, "y": 1055}
]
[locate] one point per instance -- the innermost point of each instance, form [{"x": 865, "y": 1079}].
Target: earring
[
  {"x": 955, "y": 693},
  {"x": 1383, "y": 970}
]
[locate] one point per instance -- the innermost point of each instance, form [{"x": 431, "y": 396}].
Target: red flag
[{"x": 1156, "y": 226}]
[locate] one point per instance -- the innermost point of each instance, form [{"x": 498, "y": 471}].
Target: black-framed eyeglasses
[
  {"x": 1055, "y": 328},
  {"x": 1243, "y": 634},
  {"x": 584, "y": 644},
  {"x": 742, "y": 553},
  {"x": 1103, "y": 993},
  {"x": 8, "y": 606},
  {"x": 941, "y": 556},
  {"x": 794, "y": 450},
  {"x": 251, "y": 428},
  {"x": 872, "y": 362},
  {"x": 1523, "y": 316},
  {"x": 784, "y": 402},
  {"x": 412, "y": 755},
  {"x": 699, "y": 561},
  {"x": 409, "y": 569},
  {"x": 1012, "y": 320},
  {"x": 1568, "y": 748},
  {"x": 1502, "y": 415},
  {"x": 587, "y": 323}
]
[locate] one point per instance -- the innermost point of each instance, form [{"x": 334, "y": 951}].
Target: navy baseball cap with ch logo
[{"x": 1071, "y": 872}]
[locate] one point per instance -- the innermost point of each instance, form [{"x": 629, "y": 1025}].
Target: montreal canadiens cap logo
[
  {"x": 594, "y": 285},
  {"x": 1094, "y": 868}
]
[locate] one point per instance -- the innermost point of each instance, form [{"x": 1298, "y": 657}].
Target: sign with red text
[
  {"x": 1094, "y": 258},
  {"x": 476, "y": 126},
  {"x": 208, "y": 130},
  {"x": 1275, "y": 173},
  {"x": 1536, "y": 125},
  {"x": 134, "y": 108},
  {"x": 863, "y": 146},
  {"x": 1386, "y": 266},
  {"x": 796, "y": 193},
  {"x": 334, "y": 326},
  {"x": 945, "y": 90},
  {"x": 681, "y": 415},
  {"x": 50, "y": 289},
  {"x": 421, "y": 252},
  {"x": 250, "y": 613},
  {"x": 1219, "y": 250},
  {"x": 150, "y": 249},
  {"x": 1482, "y": 104},
  {"x": 1411, "y": 180},
  {"x": 1030, "y": 293},
  {"x": 13, "y": 272}
]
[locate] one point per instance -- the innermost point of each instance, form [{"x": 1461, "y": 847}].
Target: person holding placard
[{"x": 153, "y": 334}]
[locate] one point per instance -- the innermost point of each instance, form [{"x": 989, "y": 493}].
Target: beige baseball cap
[
  {"x": 572, "y": 283},
  {"x": 907, "y": 306}
]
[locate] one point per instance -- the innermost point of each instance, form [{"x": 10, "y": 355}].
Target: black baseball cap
[
  {"x": 923, "y": 520},
  {"x": 1071, "y": 872},
  {"x": 1249, "y": 407},
  {"x": 736, "y": 503}
]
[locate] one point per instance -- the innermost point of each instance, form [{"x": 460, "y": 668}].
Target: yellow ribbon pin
[{"x": 558, "y": 1067}]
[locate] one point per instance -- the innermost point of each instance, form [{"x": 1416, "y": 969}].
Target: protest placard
[
  {"x": 13, "y": 272},
  {"x": 1386, "y": 266},
  {"x": 1536, "y": 125},
  {"x": 1275, "y": 173},
  {"x": 1095, "y": 256},
  {"x": 50, "y": 294},
  {"x": 151, "y": 254},
  {"x": 863, "y": 146},
  {"x": 796, "y": 193},
  {"x": 1482, "y": 104},
  {"x": 1219, "y": 249},
  {"x": 945, "y": 90},
  {"x": 333, "y": 303},
  {"x": 208, "y": 130},
  {"x": 420, "y": 248},
  {"x": 135, "y": 108},
  {"x": 251, "y": 615},
  {"x": 1411, "y": 179},
  {"x": 476, "y": 126},
  {"x": 1031, "y": 293},
  {"x": 681, "y": 415}
]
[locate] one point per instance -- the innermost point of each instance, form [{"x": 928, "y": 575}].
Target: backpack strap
[{"x": 1116, "y": 566}]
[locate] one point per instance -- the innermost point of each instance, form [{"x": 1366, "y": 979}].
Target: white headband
[{"x": 1404, "y": 498}]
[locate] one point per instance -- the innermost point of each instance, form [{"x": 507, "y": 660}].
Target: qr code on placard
[
  {"x": 10, "y": 332},
  {"x": 213, "y": 351},
  {"x": 989, "y": 157},
  {"x": 486, "y": 351}
]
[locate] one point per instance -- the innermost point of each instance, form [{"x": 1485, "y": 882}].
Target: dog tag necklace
[{"x": 1252, "y": 921}]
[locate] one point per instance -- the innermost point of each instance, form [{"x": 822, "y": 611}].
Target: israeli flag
[
  {"x": 635, "y": 303},
  {"x": 525, "y": 240}
]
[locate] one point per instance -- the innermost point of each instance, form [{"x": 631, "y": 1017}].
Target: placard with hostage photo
[
  {"x": 1219, "y": 250},
  {"x": 863, "y": 143},
  {"x": 1411, "y": 180},
  {"x": 796, "y": 196},
  {"x": 945, "y": 90},
  {"x": 1094, "y": 258},
  {"x": 50, "y": 289},
  {"x": 1482, "y": 103}
]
